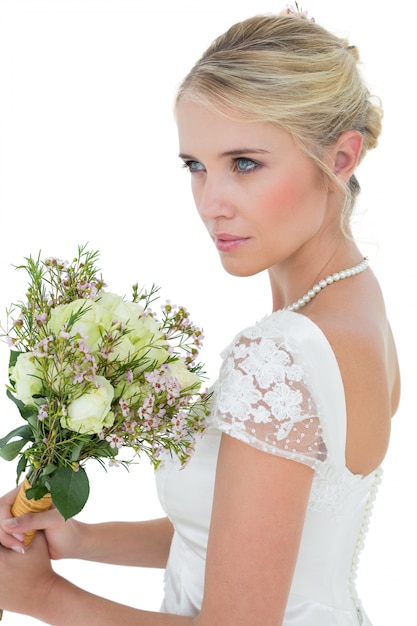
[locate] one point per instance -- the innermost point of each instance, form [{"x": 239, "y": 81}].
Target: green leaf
[
  {"x": 37, "y": 492},
  {"x": 26, "y": 410},
  {"x": 21, "y": 466},
  {"x": 33, "y": 421},
  {"x": 22, "y": 431},
  {"x": 76, "y": 451},
  {"x": 69, "y": 490},
  {"x": 104, "y": 449},
  {"x": 48, "y": 469},
  {"x": 11, "y": 450},
  {"x": 13, "y": 398},
  {"x": 13, "y": 357}
]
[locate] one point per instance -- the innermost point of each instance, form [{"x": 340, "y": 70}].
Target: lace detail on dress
[
  {"x": 262, "y": 398},
  {"x": 330, "y": 489}
]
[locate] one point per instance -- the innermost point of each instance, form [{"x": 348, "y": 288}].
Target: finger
[
  {"x": 11, "y": 536},
  {"x": 12, "y": 542},
  {"x": 31, "y": 521}
]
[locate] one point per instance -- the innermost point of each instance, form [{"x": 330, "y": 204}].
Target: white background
[{"x": 88, "y": 153}]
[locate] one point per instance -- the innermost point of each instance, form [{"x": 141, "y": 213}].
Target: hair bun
[{"x": 354, "y": 51}]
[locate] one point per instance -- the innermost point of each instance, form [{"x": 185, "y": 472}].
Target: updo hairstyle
[{"x": 289, "y": 71}]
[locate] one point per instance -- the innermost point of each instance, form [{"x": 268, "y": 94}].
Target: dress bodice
[{"x": 279, "y": 389}]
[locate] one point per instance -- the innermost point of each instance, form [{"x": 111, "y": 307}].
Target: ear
[{"x": 345, "y": 154}]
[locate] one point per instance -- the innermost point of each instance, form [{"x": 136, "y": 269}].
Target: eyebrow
[{"x": 237, "y": 152}]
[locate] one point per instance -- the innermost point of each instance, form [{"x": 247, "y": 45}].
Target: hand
[
  {"x": 61, "y": 536},
  {"x": 26, "y": 579},
  {"x": 7, "y": 539}
]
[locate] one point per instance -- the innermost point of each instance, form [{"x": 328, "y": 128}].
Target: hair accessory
[
  {"x": 297, "y": 11},
  {"x": 325, "y": 282}
]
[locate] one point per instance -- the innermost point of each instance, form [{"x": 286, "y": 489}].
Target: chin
[{"x": 241, "y": 271}]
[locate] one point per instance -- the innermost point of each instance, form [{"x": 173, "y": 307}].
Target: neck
[{"x": 293, "y": 278}]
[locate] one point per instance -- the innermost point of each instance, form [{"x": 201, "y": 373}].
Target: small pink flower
[
  {"x": 43, "y": 412},
  {"x": 41, "y": 319},
  {"x": 115, "y": 441},
  {"x": 124, "y": 406}
]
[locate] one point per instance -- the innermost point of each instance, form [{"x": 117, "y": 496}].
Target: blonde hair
[{"x": 289, "y": 71}]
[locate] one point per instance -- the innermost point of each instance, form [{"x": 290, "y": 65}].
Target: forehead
[{"x": 199, "y": 127}]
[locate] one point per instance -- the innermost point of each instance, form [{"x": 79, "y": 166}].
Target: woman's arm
[
  {"x": 28, "y": 585},
  {"x": 258, "y": 515},
  {"x": 142, "y": 544},
  {"x": 256, "y": 526}
]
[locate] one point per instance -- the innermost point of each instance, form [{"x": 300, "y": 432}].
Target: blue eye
[
  {"x": 193, "y": 166},
  {"x": 245, "y": 165}
]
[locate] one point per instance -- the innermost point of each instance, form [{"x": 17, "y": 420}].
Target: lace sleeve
[{"x": 262, "y": 398}]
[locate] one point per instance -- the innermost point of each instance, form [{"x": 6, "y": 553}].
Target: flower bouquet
[{"x": 92, "y": 373}]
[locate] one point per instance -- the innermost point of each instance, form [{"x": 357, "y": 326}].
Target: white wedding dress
[{"x": 279, "y": 389}]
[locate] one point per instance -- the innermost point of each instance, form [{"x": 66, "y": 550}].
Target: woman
[{"x": 265, "y": 524}]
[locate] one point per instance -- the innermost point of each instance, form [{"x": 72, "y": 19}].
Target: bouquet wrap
[{"x": 22, "y": 505}]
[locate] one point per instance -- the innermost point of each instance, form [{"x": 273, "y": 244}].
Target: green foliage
[
  {"x": 69, "y": 490},
  {"x": 10, "y": 449}
]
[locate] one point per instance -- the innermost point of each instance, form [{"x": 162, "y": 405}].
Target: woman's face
[{"x": 263, "y": 201}]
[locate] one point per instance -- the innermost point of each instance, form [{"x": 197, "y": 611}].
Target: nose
[{"x": 212, "y": 198}]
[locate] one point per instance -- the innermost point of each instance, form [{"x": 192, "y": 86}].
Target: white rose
[
  {"x": 93, "y": 320},
  {"x": 186, "y": 379},
  {"x": 118, "y": 308},
  {"x": 26, "y": 375},
  {"x": 91, "y": 412},
  {"x": 126, "y": 350},
  {"x": 144, "y": 336},
  {"x": 148, "y": 340},
  {"x": 141, "y": 328}
]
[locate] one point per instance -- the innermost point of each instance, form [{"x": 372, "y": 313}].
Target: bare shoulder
[{"x": 358, "y": 330}]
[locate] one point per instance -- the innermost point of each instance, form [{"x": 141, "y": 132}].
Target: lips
[{"x": 225, "y": 242}]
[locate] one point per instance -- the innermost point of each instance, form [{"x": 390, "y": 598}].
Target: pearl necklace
[{"x": 325, "y": 282}]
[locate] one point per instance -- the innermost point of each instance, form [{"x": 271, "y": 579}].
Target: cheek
[
  {"x": 292, "y": 196},
  {"x": 281, "y": 199}
]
